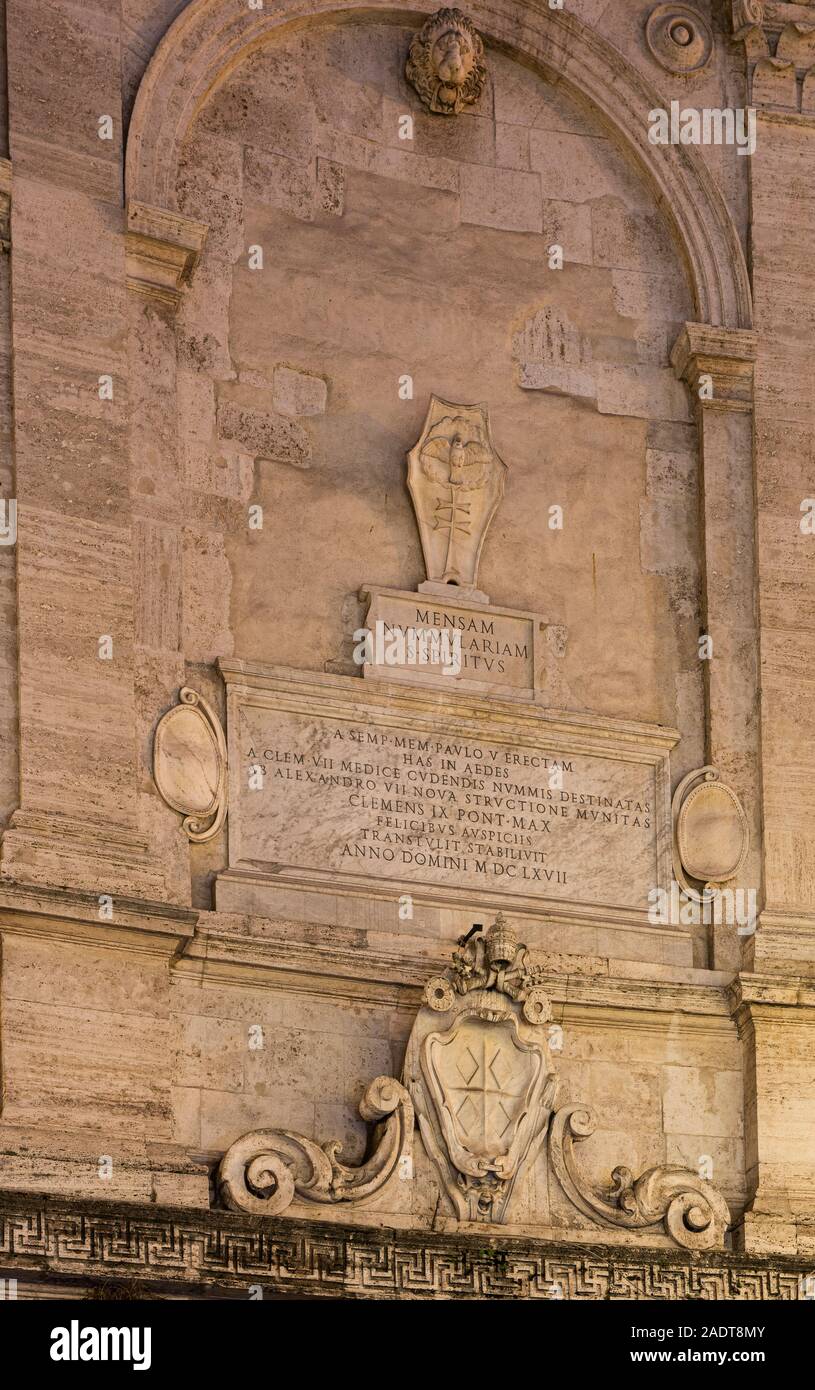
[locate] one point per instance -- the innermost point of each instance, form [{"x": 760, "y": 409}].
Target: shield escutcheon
[
  {"x": 456, "y": 480},
  {"x": 485, "y": 1076}
]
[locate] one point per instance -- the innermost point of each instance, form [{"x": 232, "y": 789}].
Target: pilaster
[
  {"x": 717, "y": 366},
  {"x": 76, "y": 822},
  {"x": 780, "y": 57},
  {"x": 776, "y": 1022}
]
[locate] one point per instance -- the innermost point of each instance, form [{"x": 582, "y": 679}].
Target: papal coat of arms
[
  {"x": 456, "y": 480},
  {"x": 479, "y": 1080},
  {"x": 480, "y": 1074}
]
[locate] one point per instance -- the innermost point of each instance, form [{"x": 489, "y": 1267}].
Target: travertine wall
[{"x": 125, "y": 1029}]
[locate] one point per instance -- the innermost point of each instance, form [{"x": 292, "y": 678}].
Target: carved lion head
[{"x": 446, "y": 63}]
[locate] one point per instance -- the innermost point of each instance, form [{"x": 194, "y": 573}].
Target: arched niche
[
  {"x": 206, "y": 50},
  {"x": 211, "y": 37},
  {"x": 287, "y": 379}
]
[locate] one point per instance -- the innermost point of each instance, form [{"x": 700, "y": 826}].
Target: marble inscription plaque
[
  {"x": 407, "y": 789},
  {"x": 470, "y": 647}
]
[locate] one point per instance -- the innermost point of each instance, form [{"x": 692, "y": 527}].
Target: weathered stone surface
[
  {"x": 330, "y": 186},
  {"x": 339, "y": 1255},
  {"x": 501, "y": 198},
  {"x": 553, "y": 356},
  {"x": 297, "y": 393},
  {"x": 285, "y": 183},
  {"x": 265, "y": 435}
]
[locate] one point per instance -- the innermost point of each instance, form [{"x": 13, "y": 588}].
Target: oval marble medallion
[
  {"x": 712, "y": 833},
  {"x": 187, "y": 762}
]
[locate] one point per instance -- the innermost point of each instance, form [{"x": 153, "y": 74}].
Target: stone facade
[{"x": 408, "y": 549}]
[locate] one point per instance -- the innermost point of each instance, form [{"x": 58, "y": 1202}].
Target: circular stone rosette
[
  {"x": 439, "y": 994},
  {"x": 536, "y": 1006},
  {"x": 679, "y": 39}
]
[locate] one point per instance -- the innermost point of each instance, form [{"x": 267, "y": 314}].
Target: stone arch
[{"x": 211, "y": 38}]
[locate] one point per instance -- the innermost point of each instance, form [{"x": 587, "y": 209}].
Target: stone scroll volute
[{"x": 266, "y": 1170}]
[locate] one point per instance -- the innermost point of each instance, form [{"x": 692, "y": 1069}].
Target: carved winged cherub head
[{"x": 446, "y": 63}]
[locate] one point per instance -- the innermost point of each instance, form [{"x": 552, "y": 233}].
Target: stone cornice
[
  {"x": 424, "y": 705},
  {"x": 777, "y": 991},
  {"x": 592, "y": 988},
  {"x": 62, "y": 914},
  {"x": 756, "y": 1000},
  {"x": 49, "y": 847},
  {"x": 770, "y": 16},
  {"x": 145, "y": 1251},
  {"x": 779, "y": 42},
  {"x": 726, "y": 356},
  {"x": 162, "y": 250}
]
